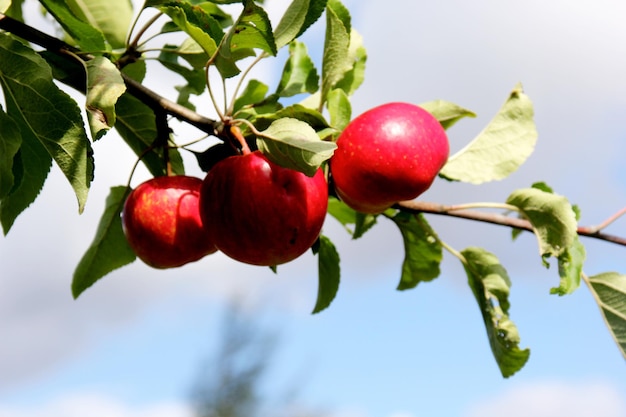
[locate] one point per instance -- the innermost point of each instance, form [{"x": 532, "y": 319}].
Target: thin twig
[
  {"x": 495, "y": 218},
  {"x": 604, "y": 224}
]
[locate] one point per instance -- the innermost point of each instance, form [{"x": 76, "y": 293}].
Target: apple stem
[{"x": 236, "y": 132}]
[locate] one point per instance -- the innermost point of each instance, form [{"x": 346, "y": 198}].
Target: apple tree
[{"x": 281, "y": 159}]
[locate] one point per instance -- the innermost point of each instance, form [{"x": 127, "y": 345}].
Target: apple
[
  {"x": 162, "y": 224},
  {"x": 390, "y": 153},
  {"x": 260, "y": 213}
]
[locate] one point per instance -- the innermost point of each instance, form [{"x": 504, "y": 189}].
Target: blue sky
[{"x": 130, "y": 346}]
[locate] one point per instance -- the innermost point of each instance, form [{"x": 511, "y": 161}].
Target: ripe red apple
[
  {"x": 260, "y": 213},
  {"x": 162, "y": 223},
  {"x": 390, "y": 153}
]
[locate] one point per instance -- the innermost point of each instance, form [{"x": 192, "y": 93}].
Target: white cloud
[
  {"x": 554, "y": 399},
  {"x": 94, "y": 405}
]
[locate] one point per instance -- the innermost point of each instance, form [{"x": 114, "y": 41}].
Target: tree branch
[
  {"x": 138, "y": 90},
  {"x": 212, "y": 127},
  {"x": 495, "y": 218}
]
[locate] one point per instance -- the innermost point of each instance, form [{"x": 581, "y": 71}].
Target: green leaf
[
  {"x": 504, "y": 145},
  {"x": 252, "y": 30},
  {"x": 195, "y": 21},
  {"x": 342, "y": 213},
  {"x": 109, "y": 249},
  {"x": 570, "y": 268},
  {"x": 336, "y": 57},
  {"x": 446, "y": 112},
  {"x": 294, "y": 144},
  {"x": 270, "y": 112},
  {"x": 260, "y": 110},
  {"x": 13, "y": 8},
  {"x": 422, "y": 250},
  {"x": 31, "y": 166},
  {"x": 104, "y": 86},
  {"x": 346, "y": 216},
  {"x": 551, "y": 216},
  {"x": 339, "y": 109},
  {"x": 136, "y": 125},
  {"x": 87, "y": 37},
  {"x": 490, "y": 284},
  {"x": 10, "y": 141},
  {"x": 311, "y": 117},
  {"x": 329, "y": 273},
  {"x": 298, "y": 17},
  {"x": 191, "y": 52},
  {"x": 609, "y": 290},
  {"x": 136, "y": 70},
  {"x": 357, "y": 57},
  {"x": 363, "y": 223},
  {"x": 299, "y": 74},
  {"x": 543, "y": 187},
  {"x": 254, "y": 93},
  {"x": 111, "y": 17},
  {"x": 195, "y": 77},
  {"x": 52, "y": 116}
]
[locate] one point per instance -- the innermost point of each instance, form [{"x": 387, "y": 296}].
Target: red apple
[
  {"x": 162, "y": 223},
  {"x": 260, "y": 213},
  {"x": 390, "y": 153}
]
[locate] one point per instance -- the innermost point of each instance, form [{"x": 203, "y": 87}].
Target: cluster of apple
[{"x": 260, "y": 213}]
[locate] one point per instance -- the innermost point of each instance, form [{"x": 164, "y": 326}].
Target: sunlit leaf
[
  {"x": 111, "y": 17},
  {"x": 552, "y": 218},
  {"x": 500, "y": 149},
  {"x": 357, "y": 57},
  {"x": 109, "y": 249},
  {"x": 609, "y": 290},
  {"x": 190, "y": 51},
  {"x": 490, "y": 284},
  {"x": 422, "y": 250},
  {"x": 294, "y": 144},
  {"x": 336, "y": 58},
  {"x": 254, "y": 92},
  {"x": 298, "y": 17},
  {"x": 311, "y": 117},
  {"x": 252, "y": 30},
  {"x": 570, "y": 268},
  {"x": 339, "y": 109},
  {"x": 299, "y": 74},
  {"x": 328, "y": 272},
  {"x": 27, "y": 81},
  {"x": 84, "y": 33},
  {"x": 446, "y": 112},
  {"x": 195, "y": 21},
  {"x": 104, "y": 86}
]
